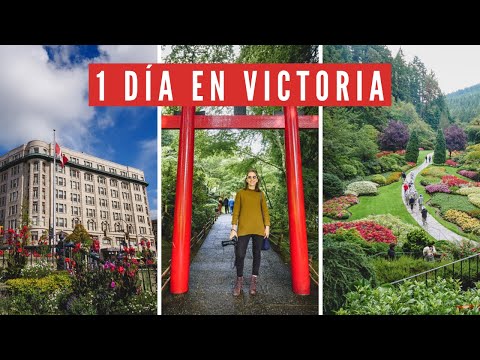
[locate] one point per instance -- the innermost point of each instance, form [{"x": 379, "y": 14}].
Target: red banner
[{"x": 240, "y": 84}]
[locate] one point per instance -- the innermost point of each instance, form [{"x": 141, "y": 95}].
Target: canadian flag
[{"x": 61, "y": 156}]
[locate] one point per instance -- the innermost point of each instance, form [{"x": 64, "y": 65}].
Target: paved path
[
  {"x": 212, "y": 278},
  {"x": 433, "y": 227}
]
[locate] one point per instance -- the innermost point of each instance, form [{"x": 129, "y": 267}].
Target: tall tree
[
  {"x": 455, "y": 138},
  {"x": 411, "y": 155},
  {"x": 394, "y": 137},
  {"x": 440, "y": 156}
]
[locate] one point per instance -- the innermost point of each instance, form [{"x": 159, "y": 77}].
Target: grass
[{"x": 451, "y": 201}]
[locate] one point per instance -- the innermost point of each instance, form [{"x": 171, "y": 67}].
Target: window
[
  {"x": 90, "y": 212},
  {"x": 138, "y": 197},
  {"x": 4, "y": 176},
  {"x": 3, "y": 188},
  {"x": 88, "y": 177},
  {"x": 103, "y": 202},
  {"x": 13, "y": 196},
  {"x": 35, "y": 192},
  {"x": 43, "y": 193},
  {"x": 43, "y": 210},
  {"x": 36, "y": 166},
  {"x": 112, "y": 170},
  {"x": 91, "y": 225},
  {"x": 113, "y": 182},
  {"x": 34, "y": 235},
  {"x": 61, "y": 208},
  {"x": 60, "y": 194},
  {"x": 141, "y": 219},
  {"x": 115, "y": 204},
  {"x": 100, "y": 167},
  {"x": 87, "y": 163},
  {"x": 114, "y": 193},
  {"x": 102, "y": 190},
  {"x": 143, "y": 230},
  {"x": 125, "y": 196},
  {"x": 76, "y": 211},
  {"x": 2, "y": 214},
  {"x": 75, "y": 198},
  {"x": 135, "y": 176},
  {"x": 128, "y": 218},
  {"x": 13, "y": 183},
  {"x": 117, "y": 216},
  {"x": 35, "y": 179},
  {"x": 89, "y": 200},
  {"x": 136, "y": 187},
  {"x": 127, "y": 206},
  {"x": 59, "y": 169},
  {"x": 106, "y": 241},
  {"x": 139, "y": 208},
  {"x": 74, "y": 173},
  {"x": 75, "y": 185},
  {"x": 35, "y": 207},
  {"x": 60, "y": 181},
  {"x": 61, "y": 222},
  {"x": 43, "y": 180},
  {"x": 36, "y": 150},
  {"x": 103, "y": 214},
  {"x": 101, "y": 180},
  {"x": 123, "y": 173},
  {"x": 3, "y": 200},
  {"x": 89, "y": 188}
]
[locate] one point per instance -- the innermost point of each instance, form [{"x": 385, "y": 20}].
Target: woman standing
[{"x": 250, "y": 219}]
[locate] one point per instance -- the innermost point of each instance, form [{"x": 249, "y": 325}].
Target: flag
[{"x": 61, "y": 156}]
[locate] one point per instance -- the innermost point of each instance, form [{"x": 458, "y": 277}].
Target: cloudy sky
[
  {"x": 456, "y": 66},
  {"x": 44, "y": 88}
]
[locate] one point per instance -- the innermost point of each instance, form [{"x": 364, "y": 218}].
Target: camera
[{"x": 230, "y": 242}]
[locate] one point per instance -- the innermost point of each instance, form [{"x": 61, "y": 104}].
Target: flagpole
[{"x": 53, "y": 181}]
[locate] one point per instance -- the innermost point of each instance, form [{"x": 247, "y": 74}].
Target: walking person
[
  {"x": 424, "y": 216},
  {"x": 411, "y": 201},
  {"x": 404, "y": 176},
  {"x": 420, "y": 202},
  {"x": 225, "y": 205},
  {"x": 250, "y": 219}
]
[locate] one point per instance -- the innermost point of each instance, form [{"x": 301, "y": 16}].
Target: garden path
[
  {"x": 212, "y": 278},
  {"x": 433, "y": 227}
]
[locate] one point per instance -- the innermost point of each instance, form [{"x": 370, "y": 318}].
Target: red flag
[{"x": 61, "y": 156}]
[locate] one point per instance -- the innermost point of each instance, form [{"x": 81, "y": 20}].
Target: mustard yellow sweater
[{"x": 250, "y": 212}]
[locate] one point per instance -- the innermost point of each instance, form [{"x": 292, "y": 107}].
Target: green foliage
[
  {"x": 402, "y": 267},
  {"x": 80, "y": 235},
  {"x": 38, "y": 270},
  {"x": 440, "y": 155},
  {"x": 379, "y": 179},
  {"x": 413, "y": 298},
  {"x": 411, "y": 154},
  {"x": 449, "y": 201},
  {"x": 464, "y": 104},
  {"x": 416, "y": 241},
  {"x": 344, "y": 266},
  {"x": 425, "y": 133},
  {"x": 332, "y": 186}
]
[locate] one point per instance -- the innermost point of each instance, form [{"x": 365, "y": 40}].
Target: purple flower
[{"x": 112, "y": 284}]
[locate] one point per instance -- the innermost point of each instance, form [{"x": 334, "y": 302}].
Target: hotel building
[{"x": 108, "y": 199}]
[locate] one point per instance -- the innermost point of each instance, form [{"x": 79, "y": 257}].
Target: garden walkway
[
  {"x": 433, "y": 227},
  {"x": 212, "y": 278}
]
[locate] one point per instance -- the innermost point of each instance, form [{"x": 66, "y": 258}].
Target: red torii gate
[{"x": 187, "y": 122}]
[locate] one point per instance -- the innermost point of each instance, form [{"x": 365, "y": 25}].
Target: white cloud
[
  {"x": 38, "y": 95},
  {"x": 147, "y": 156},
  {"x": 105, "y": 121},
  {"x": 130, "y": 53}
]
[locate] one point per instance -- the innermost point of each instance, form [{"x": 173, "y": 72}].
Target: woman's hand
[
  {"x": 233, "y": 233},
  {"x": 267, "y": 231}
]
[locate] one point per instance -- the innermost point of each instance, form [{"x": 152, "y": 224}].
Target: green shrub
[
  {"x": 416, "y": 240},
  {"x": 393, "y": 177},
  {"x": 332, "y": 186},
  {"x": 344, "y": 266},
  {"x": 412, "y": 298},
  {"x": 349, "y": 171},
  {"x": 379, "y": 179},
  {"x": 387, "y": 271}
]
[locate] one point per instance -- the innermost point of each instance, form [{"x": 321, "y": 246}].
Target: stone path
[
  {"x": 433, "y": 227},
  {"x": 212, "y": 278}
]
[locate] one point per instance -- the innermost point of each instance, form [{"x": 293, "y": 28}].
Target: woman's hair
[{"x": 257, "y": 185}]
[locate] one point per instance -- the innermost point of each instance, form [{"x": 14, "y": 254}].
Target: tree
[
  {"x": 412, "y": 148},
  {"x": 455, "y": 138},
  {"x": 439, "y": 156},
  {"x": 80, "y": 235},
  {"x": 394, "y": 137},
  {"x": 426, "y": 136}
]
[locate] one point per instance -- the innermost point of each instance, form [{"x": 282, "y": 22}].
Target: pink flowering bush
[
  {"x": 434, "y": 188},
  {"x": 336, "y": 208},
  {"x": 368, "y": 230},
  {"x": 468, "y": 174},
  {"x": 451, "y": 180},
  {"x": 451, "y": 163}
]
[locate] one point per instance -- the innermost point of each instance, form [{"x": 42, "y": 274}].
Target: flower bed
[
  {"x": 393, "y": 177},
  {"x": 434, "y": 171},
  {"x": 434, "y": 188},
  {"x": 468, "y": 190},
  {"x": 474, "y": 199},
  {"x": 368, "y": 230},
  {"x": 336, "y": 208},
  {"x": 451, "y": 163},
  {"x": 468, "y": 174},
  {"x": 362, "y": 188},
  {"x": 399, "y": 228},
  {"x": 452, "y": 180},
  {"x": 466, "y": 222}
]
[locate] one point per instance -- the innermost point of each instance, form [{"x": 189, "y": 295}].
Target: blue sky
[{"x": 46, "y": 87}]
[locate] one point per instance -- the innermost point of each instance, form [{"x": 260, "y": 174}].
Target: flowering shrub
[
  {"x": 468, "y": 174},
  {"x": 437, "y": 188},
  {"x": 17, "y": 254},
  {"x": 394, "y": 223},
  {"x": 385, "y": 153},
  {"x": 336, "y": 207},
  {"x": 38, "y": 270},
  {"x": 451, "y": 163},
  {"x": 411, "y": 164},
  {"x": 474, "y": 199},
  {"x": 434, "y": 171},
  {"x": 393, "y": 177},
  {"x": 379, "y": 179},
  {"x": 452, "y": 180},
  {"x": 466, "y": 222},
  {"x": 368, "y": 230},
  {"x": 362, "y": 188},
  {"x": 468, "y": 190}
]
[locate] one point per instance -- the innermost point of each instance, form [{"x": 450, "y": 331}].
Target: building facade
[{"x": 110, "y": 200}]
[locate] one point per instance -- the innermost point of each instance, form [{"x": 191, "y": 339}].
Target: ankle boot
[
  {"x": 253, "y": 285},
  {"x": 238, "y": 286}
]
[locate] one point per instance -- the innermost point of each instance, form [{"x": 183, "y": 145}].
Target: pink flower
[{"x": 112, "y": 284}]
